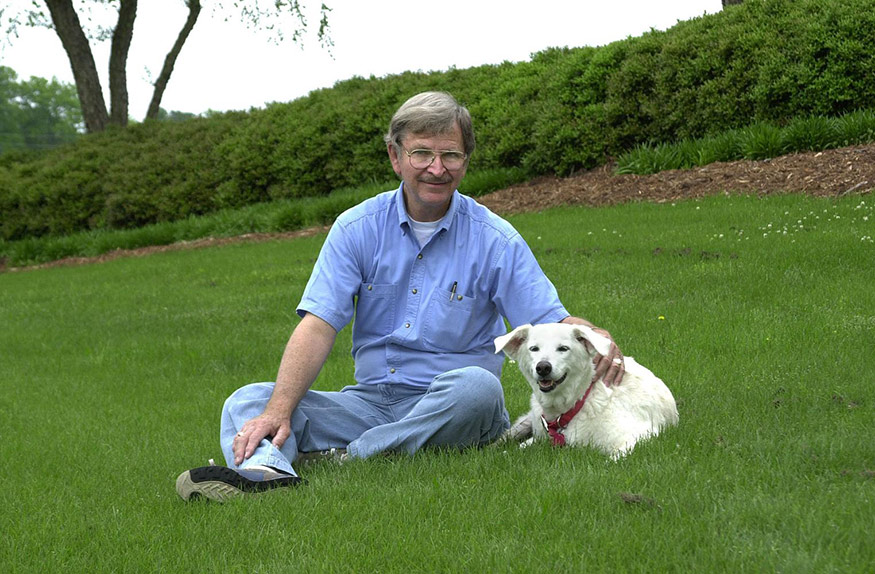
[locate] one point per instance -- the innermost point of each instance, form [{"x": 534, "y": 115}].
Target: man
[{"x": 429, "y": 275}]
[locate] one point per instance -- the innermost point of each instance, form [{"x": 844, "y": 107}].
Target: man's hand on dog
[{"x": 610, "y": 367}]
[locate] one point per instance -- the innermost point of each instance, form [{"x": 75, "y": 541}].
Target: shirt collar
[{"x": 404, "y": 219}]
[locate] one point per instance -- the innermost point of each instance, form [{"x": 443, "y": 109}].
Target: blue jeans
[{"x": 463, "y": 407}]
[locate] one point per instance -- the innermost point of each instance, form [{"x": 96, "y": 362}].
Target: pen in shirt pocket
[{"x": 453, "y": 290}]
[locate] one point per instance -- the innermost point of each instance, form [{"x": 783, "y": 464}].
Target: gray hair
[{"x": 432, "y": 113}]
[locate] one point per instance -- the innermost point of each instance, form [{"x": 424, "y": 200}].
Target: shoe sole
[{"x": 220, "y": 483}]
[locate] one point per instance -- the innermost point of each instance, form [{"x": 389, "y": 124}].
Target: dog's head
[{"x": 548, "y": 354}]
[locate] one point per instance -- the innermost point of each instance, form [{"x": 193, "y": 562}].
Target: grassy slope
[{"x": 113, "y": 376}]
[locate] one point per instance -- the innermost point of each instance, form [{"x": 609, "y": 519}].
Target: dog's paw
[{"x": 521, "y": 429}]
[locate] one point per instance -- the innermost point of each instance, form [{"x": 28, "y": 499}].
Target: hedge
[{"x": 566, "y": 109}]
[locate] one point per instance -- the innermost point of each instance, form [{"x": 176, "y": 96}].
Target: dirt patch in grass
[{"x": 179, "y": 246}]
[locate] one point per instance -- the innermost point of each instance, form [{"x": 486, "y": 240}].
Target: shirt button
[
  {"x": 407, "y": 325},
  {"x": 414, "y": 291},
  {"x": 370, "y": 287},
  {"x": 419, "y": 256},
  {"x": 392, "y": 371}
]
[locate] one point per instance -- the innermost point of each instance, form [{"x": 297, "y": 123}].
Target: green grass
[
  {"x": 756, "y": 142},
  {"x": 757, "y": 312}
]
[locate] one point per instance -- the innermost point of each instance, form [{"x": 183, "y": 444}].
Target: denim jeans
[{"x": 463, "y": 407}]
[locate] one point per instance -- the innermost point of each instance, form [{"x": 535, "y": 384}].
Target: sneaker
[
  {"x": 337, "y": 455},
  {"x": 220, "y": 483}
]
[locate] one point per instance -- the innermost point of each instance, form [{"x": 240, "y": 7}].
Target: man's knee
[
  {"x": 247, "y": 396},
  {"x": 474, "y": 387},
  {"x": 476, "y": 398}
]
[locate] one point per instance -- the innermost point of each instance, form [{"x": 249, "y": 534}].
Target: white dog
[{"x": 567, "y": 405}]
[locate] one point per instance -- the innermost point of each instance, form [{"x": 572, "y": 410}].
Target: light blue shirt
[{"x": 423, "y": 311}]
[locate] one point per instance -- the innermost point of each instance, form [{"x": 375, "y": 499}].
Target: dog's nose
[{"x": 543, "y": 368}]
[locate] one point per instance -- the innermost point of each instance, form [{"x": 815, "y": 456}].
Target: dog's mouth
[{"x": 547, "y": 385}]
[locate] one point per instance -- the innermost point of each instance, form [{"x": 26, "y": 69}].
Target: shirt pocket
[
  {"x": 450, "y": 322},
  {"x": 375, "y": 310}
]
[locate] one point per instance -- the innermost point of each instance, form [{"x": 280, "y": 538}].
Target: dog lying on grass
[{"x": 568, "y": 407}]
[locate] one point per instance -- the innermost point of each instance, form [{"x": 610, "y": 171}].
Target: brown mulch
[{"x": 830, "y": 173}]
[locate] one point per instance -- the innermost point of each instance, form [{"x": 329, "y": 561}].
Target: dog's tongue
[{"x": 546, "y": 384}]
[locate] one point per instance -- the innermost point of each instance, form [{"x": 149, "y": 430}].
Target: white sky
[{"x": 224, "y": 66}]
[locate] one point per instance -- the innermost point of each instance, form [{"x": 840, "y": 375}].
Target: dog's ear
[
  {"x": 592, "y": 340},
  {"x": 513, "y": 341}
]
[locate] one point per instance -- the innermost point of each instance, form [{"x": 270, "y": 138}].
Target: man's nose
[{"x": 437, "y": 166}]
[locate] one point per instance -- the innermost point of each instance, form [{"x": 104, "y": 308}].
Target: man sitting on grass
[{"x": 429, "y": 275}]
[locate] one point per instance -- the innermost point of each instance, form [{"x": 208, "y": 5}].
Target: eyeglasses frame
[{"x": 434, "y": 154}]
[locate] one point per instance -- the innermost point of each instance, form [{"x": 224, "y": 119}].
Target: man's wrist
[{"x": 572, "y": 320}]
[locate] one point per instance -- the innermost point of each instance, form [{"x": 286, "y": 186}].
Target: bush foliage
[{"x": 762, "y": 62}]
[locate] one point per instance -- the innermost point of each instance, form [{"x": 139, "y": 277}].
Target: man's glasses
[{"x": 422, "y": 158}]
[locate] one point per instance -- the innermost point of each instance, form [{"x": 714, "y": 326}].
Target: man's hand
[
  {"x": 610, "y": 367},
  {"x": 265, "y": 425}
]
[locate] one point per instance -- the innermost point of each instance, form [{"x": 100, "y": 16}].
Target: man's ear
[
  {"x": 513, "y": 341},
  {"x": 592, "y": 340},
  {"x": 394, "y": 157}
]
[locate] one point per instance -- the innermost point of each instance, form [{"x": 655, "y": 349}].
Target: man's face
[{"x": 428, "y": 191}]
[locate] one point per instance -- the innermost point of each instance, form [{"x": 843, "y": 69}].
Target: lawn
[{"x": 759, "y": 313}]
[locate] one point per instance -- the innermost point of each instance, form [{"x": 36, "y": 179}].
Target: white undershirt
[{"x": 423, "y": 230}]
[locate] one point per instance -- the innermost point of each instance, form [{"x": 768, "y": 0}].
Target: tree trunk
[
  {"x": 118, "y": 61},
  {"x": 194, "y": 9},
  {"x": 78, "y": 50}
]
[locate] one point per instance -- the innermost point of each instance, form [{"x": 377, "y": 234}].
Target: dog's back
[{"x": 614, "y": 419}]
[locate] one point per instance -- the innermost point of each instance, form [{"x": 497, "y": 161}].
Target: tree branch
[
  {"x": 118, "y": 60},
  {"x": 194, "y": 9}
]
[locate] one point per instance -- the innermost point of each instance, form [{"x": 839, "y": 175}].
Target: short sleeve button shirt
[{"x": 420, "y": 311}]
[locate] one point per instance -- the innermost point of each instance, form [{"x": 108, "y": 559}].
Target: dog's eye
[
  {"x": 534, "y": 349},
  {"x": 563, "y": 349}
]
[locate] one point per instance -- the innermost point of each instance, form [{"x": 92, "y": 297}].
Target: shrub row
[
  {"x": 268, "y": 217},
  {"x": 564, "y": 110}
]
